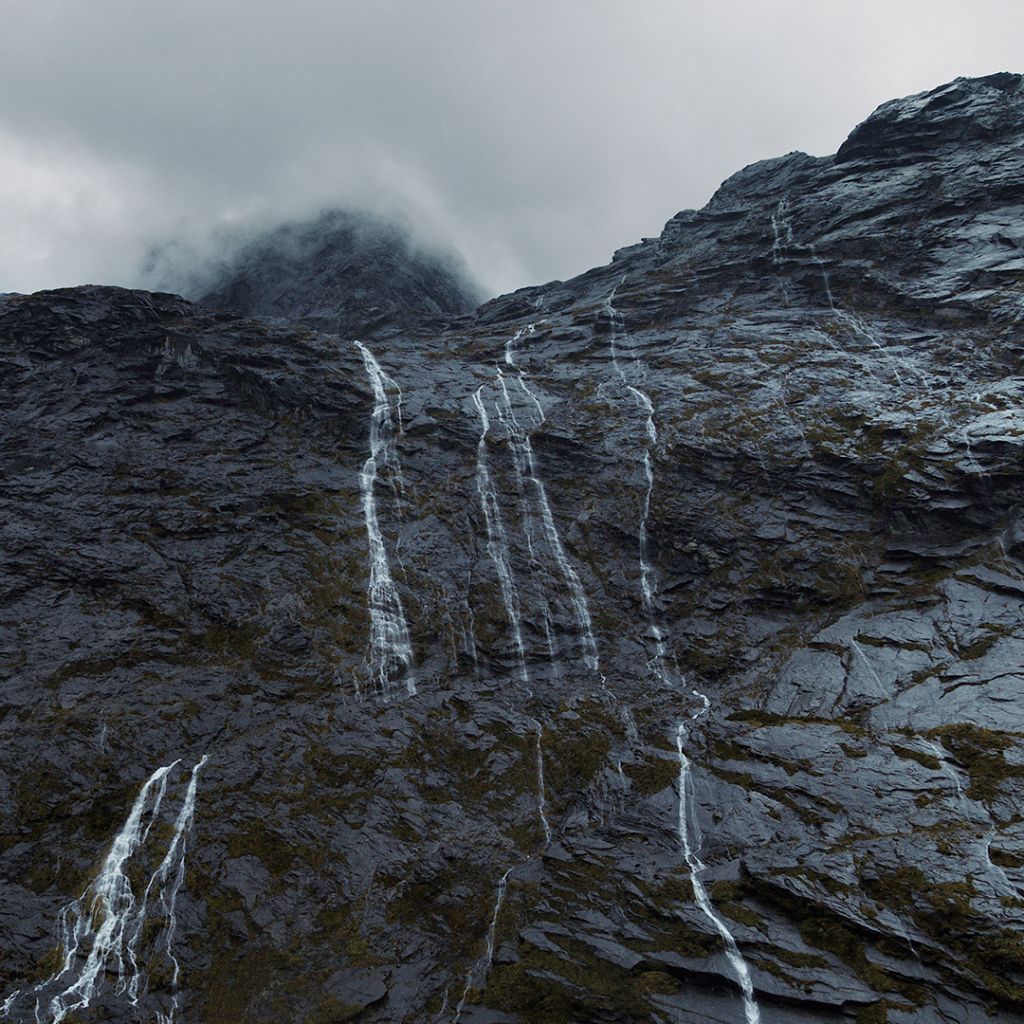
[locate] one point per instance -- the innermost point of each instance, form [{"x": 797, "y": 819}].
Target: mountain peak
[
  {"x": 965, "y": 110},
  {"x": 345, "y": 271}
]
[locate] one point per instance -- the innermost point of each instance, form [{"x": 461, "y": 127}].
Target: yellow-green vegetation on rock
[
  {"x": 653, "y": 774},
  {"x": 980, "y": 751},
  {"x": 342, "y": 930},
  {"x": 332, "y": 1011},
  {"x": 945, "y": 911},
  {"x": 876, "y": 1013},
  {"x": 927, "y": 760},
  {"x": 820, "y": 928}
]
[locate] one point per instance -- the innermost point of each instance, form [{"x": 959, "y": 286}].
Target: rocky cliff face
[{"x": 643, "y": 647}]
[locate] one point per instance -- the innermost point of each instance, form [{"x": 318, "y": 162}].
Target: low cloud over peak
[{"x": 534, "y": 138}]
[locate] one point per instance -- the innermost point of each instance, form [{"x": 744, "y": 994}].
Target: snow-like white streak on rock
[
  {"x": 519, "y": 441},
  {"x": 167, "y": 881},
  {"x": 483, "y": 965},
  {"x": 750, "y": 1008},
  {"x": 390, "y": 645},
  {"x": 497, "y": 543},
  {"x": 102, "y": 915},
  {"x": 542, "y": 804}
]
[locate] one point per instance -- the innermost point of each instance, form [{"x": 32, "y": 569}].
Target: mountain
[
  {"x": 347, "y": 272},
  {"x": 640, "y": 647}
]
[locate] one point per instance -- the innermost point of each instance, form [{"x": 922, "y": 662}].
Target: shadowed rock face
[{"x": 781, "y": 450}]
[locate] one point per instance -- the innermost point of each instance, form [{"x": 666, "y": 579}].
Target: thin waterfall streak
[
  {"x": 483, "y": 965},
  {"x": 781, "y": 221},
  {"x": 541, "y": 788},
  {"x": 497, "y": 542},
  {"x": 648, "y": 407},
  {"x": 940, "y": 756},
  {"x": 554, "y": 657},
  {"x": 110, "y": 899},
  {"x": 648, "y": 584},
  {"x": 696, "y": 867},
  {"x": 390, "y": 644},
  {"x": 110, "y": 919},
  {"x": 503, "y": 410},
  {"x": 461, "y": 1005},
  {"x": 613, "y": 319},
  {"x": 871, "y": 668},
  {"x": 492, "y": 932},
  {"x": 174, "y": 860},
  {"x": 519, "y": 441}
]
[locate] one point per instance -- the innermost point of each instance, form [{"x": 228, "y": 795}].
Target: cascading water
[
  {"x": 542, "y": 804},
  {"x": 168, "y": 879},
  {"x": 940, "y": 756},
  {"x": 751, "y": 1010},
  {"x": 648, "y": 584},
  {"x": 390, "y": 645},
  {"x": 483, "y": 965},
  {"x": 522, "y": 450},
  {"x": 497, "y": 543},
  {"x": 101, "y": 931},
  {"x": 782, "y": 228}
]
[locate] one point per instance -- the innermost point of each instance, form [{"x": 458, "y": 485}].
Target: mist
[{"x": 533, "y": 139}]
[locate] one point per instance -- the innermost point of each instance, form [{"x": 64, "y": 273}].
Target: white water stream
[
  {"x": 542, "y": 803},
  {"x": 390, "y": 646},
  {"x": 526, "y": 466},
  {"x": 648, "y": 583},
  {"x": 497, "y": 542},
  {"x": 100, "y": 932},
  {"x": 483, "y": 965},
  {"x": 751, "y": 1010}
]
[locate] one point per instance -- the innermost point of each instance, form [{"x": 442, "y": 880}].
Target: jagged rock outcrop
[{"x": 777, "y": 454}]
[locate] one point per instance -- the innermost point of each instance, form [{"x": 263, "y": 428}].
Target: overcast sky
[{"x": 534, "y": 137}]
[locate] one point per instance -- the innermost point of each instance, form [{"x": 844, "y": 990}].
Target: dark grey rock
[{"x": 832, "y": 350}]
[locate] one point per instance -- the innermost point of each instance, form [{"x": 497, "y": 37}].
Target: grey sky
[{"x": 534, "y": 137}]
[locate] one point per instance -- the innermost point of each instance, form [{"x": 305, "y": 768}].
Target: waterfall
[
  {"x": 541, "y": 798},
  {"x": 105, "y": 924},
  {"x": 497, "y": 543},
  {"x": 782, "y": 228},
  {"x": 483, "y": 965},
  {"x": 168, "y": 878},
  {"x": 522, "y": 450},
  {"x": 390, "y": 646},
  {"x": 940, "y": 756},
  {"x": 696, "y": 866},
  {"x": 648, "y": 584}
]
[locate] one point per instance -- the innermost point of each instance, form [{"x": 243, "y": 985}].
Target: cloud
[{"x": 534, "y": 137}]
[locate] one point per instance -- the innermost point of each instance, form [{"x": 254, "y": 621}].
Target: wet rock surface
[{"x": 781, "y": 448}]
